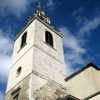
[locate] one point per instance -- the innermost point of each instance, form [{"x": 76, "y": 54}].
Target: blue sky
[{"x": 78, "y": 20}]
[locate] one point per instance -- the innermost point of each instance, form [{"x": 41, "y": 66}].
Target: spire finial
[{"x": 39, "y": 5}]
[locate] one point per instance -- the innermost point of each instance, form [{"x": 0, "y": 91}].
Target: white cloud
[
  {"x": 5, "y": 61},
  {"x": 89, "y": 26},
  {"x": 81, "y": 21},
  {"x": 16, "y": 7},
  {"x": 78, "y": 11},
  {"x": 71, "y": 41},
  {"x": 74, "y": 49},
  {"x": 50, "y": 4},
  {"x": 6, "y": 46},
  {"x": 1, "y": 96},
  {"x": 85, "y": 25},
  {"x": 74, "y": 45}
]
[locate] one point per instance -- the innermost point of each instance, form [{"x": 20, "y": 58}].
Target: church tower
[{"x": 38, "y": 70}]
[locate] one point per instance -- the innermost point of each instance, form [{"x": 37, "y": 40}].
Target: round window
[{"x": 19, "y": 70}]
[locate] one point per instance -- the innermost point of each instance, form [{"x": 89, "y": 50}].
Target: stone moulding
[
  {"x": 18, "y": 89},
  {"x": 31, "y": 20}
]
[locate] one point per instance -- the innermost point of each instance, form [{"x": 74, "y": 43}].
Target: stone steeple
[
  {"x": 39, "y": 5},
  {"x": 37, "y": 71},
  {"x": 41, "y": 14}
]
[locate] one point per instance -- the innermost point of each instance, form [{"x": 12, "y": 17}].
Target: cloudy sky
[{"x": 78, "y": 20}]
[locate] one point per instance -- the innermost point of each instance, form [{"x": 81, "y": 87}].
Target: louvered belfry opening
[
  {"x": 24, "y": 39},
  {"x": 49, "y": 38}
]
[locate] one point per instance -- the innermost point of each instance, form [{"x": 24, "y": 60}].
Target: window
[
  {"x": 15, "y": 94},
  {"x": 16, "y": 97},
  {"x": 19, "y": 70},
  {"x": 49, "y": 38},
  {"x": 23, "y": 42}
]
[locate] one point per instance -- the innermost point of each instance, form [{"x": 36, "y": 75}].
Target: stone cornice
[
  {"x": 39, "y": 75},
  {"x": 70, "y": 97},
  {"x": 46, "y": 24},
  {"x": 39, "y": 49},
  {"x": 91, "y": 96}
]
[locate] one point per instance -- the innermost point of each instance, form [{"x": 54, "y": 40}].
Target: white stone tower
[{"x": 38, "y": 69}]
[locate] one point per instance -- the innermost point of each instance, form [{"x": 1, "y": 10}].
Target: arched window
[
  {"x": 49, "y": 38},
  {"x": 23, "y": 42},
  {"x": 19, "y": 70}
]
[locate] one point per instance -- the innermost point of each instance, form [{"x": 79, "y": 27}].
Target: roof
[
  {"x": 92, "y": 96},
  {"x": 68, "y": 97},
  {"x": 82, "y": 69}
]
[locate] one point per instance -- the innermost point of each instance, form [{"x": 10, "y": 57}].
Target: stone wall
[
  {"x": 21, "y": 88},
  {"x": 85, "y": 83},
  {"x": 50, "y": 91},
  {"x": 33, "y": 87}
]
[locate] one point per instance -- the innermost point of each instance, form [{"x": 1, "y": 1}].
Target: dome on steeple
[
  {"x": 41, "y": 14},
  {"x": 39, "y": 10}
]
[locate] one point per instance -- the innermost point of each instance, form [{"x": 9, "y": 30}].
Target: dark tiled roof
[
  {"x": 69, "y": 97},
  {"x": 93, "y": 95}
]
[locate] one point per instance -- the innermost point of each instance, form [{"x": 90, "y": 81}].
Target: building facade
[
  {"x": 85, "y": 83},
  {"x": 37, "y": 61},
  {"x": 38, "y": 69}
]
